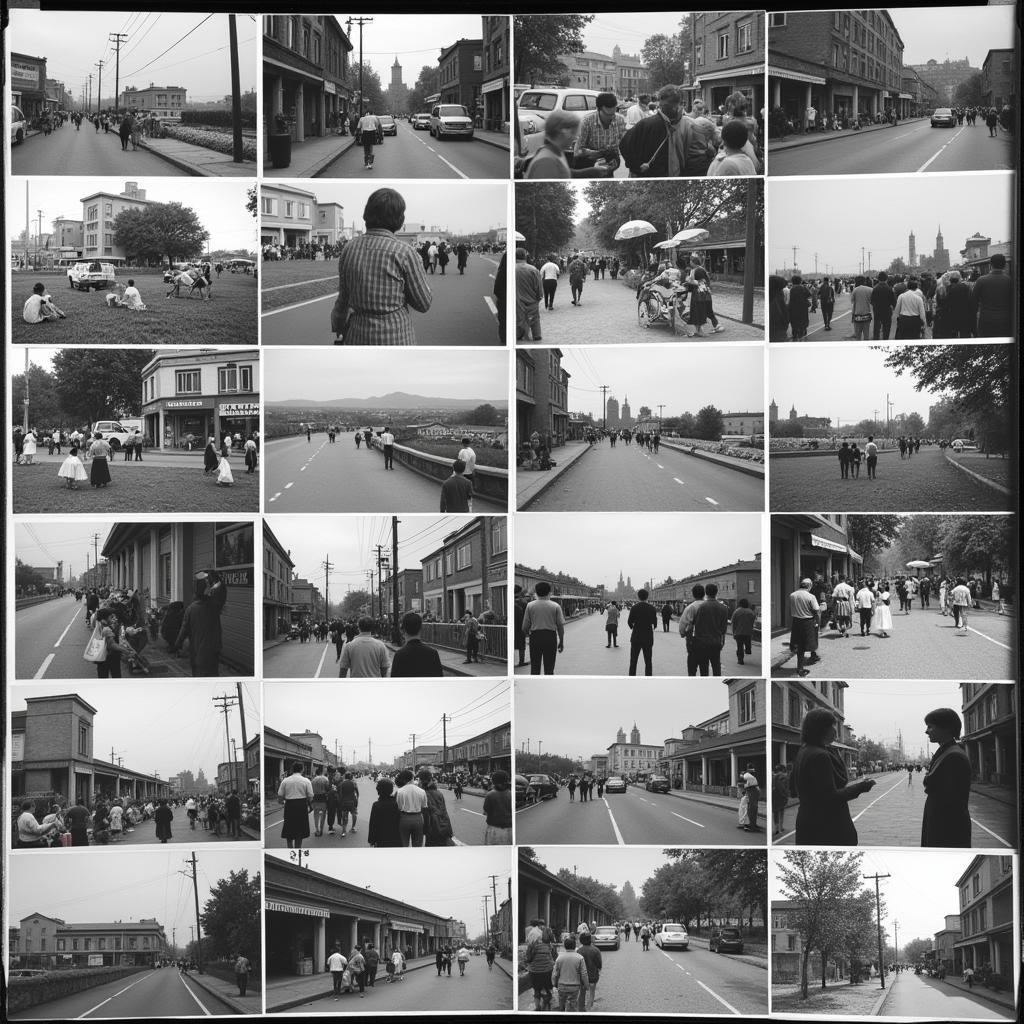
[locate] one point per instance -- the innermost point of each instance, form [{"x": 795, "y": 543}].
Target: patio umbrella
[
  {"x": 636, "y": 229},
  {"x": 665, "y": 245},
  {"x": 918, "y": 563},
  {"x": 519, "y": 236},
  {"x": 691, "y": 235}
]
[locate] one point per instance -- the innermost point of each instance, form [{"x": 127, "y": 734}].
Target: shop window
[
  {"x": 778, "y": 20},
  {"x": 234, "y": 545}
]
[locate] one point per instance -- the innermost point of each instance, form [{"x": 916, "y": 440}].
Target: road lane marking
[
  {"x": 985, "y": 636},
  {"x": 526, "y": 807},
  {"x": 41, "y": 671},
  {"x": 991, "y": 833},
  {"x": 181, "y": 978},
  {"x": 877, "y": 798},
  {"x": 821, "y": 326},
  {"x": 712, "y": 992},
  {"x": 786, "y": 836},
  {"x": 458, "y": 842},
  {"x": 452, "y": 166},
  {"x": 931, "y": 159},
  {"x": 297, "y": 284},
  {"x": 479, "y": 814},
  {"x": 712, "y": 500},
  {"x": 275, "y": 497},
  {"x": 69, "y": 625},
  {"x": 618, "y": 834},
  {"x": 490, "y": 304},
  {"x": 292, "y": 484},
  {"x": 690, "y": 820},
  {"x": 302, "y": 469},
  {"x": 678, "y": 481},
  {"x": 659, "y": 465},
  {"x": 296, "y": 305},
  {"x": 114, "y": 996},
  {"x": 316, "y": 675}
]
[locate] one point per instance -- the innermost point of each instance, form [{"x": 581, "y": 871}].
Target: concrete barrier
[
  {"x": 23, "y": 993},
  {"x": 740, "y": 465},
  {"x": 27, "y": 602},
  {"x": 489, "y": 482}
]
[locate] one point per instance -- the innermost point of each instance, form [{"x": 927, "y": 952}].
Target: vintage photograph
[
  {"x": 892, "y": 596},
  {"x": 703, "y": 783},
  {"x": 699, "y": 435},
  {"x": 860, "y": 92},
  {"x": 129, "y": 430},
  {"x": 172, "y": 934},
  {"x": 348, "y": 264},
  {"x": 440, "y": 424},
  {"x": 639, "y": 261},
  {"x": 873, "y": 277},
  {"x": 639, "y": 94},
  {"x": 105, "y": 261},
  {"x": 585, "y": 915},
  {"x": 448, "y": 784},
  {"x": 348, "y": 97},
  {"x": 373, "y": 596},
  {"x": 911, "y": 429},
  {"x": 379, "y": 930},
  {"x": 876, "y": 764},
  {"x": 145, "y": 600},
  {"x": 140, "y": 792},
  {"x": 694, "y": 620},
  {"x": 899, "y": 934},
  {"x": 82, "y": 84}
]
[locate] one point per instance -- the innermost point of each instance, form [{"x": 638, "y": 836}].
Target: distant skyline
[{"x": 935, "y": 33}]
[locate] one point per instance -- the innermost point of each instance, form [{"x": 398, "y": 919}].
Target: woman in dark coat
[
  {"x": 462, "y": 254},
  {"x": 820, "y": 781},
  {"x": 163, "y": 816},
  {"x": 210, "y": 459},
  {"x": 778, "y": 313},
  {"x": 799, "y": 307},
  {"x": 437, "y": 826},
  {"x": 384, "y": 817},
  {"x": 947, "y": 783},
  {"x": 125, "y": 130},
  {"x": 99, "y": 452}
]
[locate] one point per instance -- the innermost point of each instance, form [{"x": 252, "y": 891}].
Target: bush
[
  {"x": 218, "y": 141},
  {"x": 217, "y": 118}
]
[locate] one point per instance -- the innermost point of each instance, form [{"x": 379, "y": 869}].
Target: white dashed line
[
  {"x": 41, "y": 671},
  {"x": 65, "y": 633},
  {"x": 985, "y": 636},
  {"x": 490, "y": 305},
  {"x": 935, "y": 157},
  {"x": 877, "y": 798},
  {"x": 615, "y": 827},
  {"x": 193, "y": 995},
  {"x": 711, "y": 992},
  {"x": 659, "y": 465},
  {"x": 678, "y": 481},
  {"x": 452, "y": 166},
  {"x": 297, "y": 305},
  {"x": 292, "y": 484},
  {"x": 275, "y": 497},
  {"x": 712, "y": 500},
  {"x": 468, "y": 811},
  {"x": 991, "y": 833},
  {"x": 319, "y": 667},
  {"x": 690, "y": 820}
]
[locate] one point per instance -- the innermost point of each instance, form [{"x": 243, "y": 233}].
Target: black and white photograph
[
  {"x": 386, "y": 96},
  {"x": 161, "y": 934},
  {"x": 880, "y": 275},
  {"x": 177, "y": 91},
  {"x": 338, "y": 422},
  {"x": 107, "y": 261},
  {"x": 128, "y": 430},
  {"x": 360, "y": 933},
  {"x": 893, "y": 934},
  {"x": 639, "y": 94},
  {"x": 376, "y": 596},
  {"x": 901, "y": 90},
  {"x": 358, "y": 264},
  {"x": 874, "y": 763},
  {"x": 894, "y": 596},
  {"x": 703, "y": 783},
  {"x": 415, "y": 766},
  {"x": 639, "y": 261},
  {"x": 196, "y": 781},
  {"x": 696, "y": 422},
  {"x": 697, "y": 920},
  {"x": 144, "y": 600},
  {"x": 911, "y": 428},
  {"x": 693, "y": 606}
]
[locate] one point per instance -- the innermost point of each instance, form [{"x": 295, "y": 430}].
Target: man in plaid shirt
[
  {"x": 379, "y": 278},
  {"x": 600, "y": 132}
]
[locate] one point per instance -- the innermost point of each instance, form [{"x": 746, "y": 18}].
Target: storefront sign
[
  {"x": 240, "y": 409},
  {"x": 330, "y": 88},
  {"x": 184, "y": 403},
  {"x": 405, "y": 926},
  {"x": 296, "y": 908},
  {"x": 237, "y": 577},
  {"x": 828, "y": 545},
  {"x": 25, "y": 75},
  {"x": 95, "y": 959},
  {"x": 18, "y": 746}
]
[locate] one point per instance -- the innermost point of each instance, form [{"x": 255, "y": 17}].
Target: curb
[
  {"x": 830, "y": 136},
  {"x": 230, "y": 1003},
  {"x": 977, "y": 476},
  {"x": 737, "y": 464},
  {"x": 703, "y": 798},
  {"x": 876, "y": 1009},
  {"x": 493, "y": 142},
  {"x": 551, "y": 480}
]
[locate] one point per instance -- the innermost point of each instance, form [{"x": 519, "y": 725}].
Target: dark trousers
[
  {"x": 691, "y": 657},
  {"x": 826, "y": 313},
  {"x": 368, "y": 150},
  {"x": 243, "y": 981},
  {"x": 336, "y": 977},
  {"x": 882, "y": 324},
  {"x": 636, "y": 648},
  {"x": 549, "y": 293},
  {"x": 872, "y": 464},
  {"x": 138, "y": 453},
  {"x": 371, "y": 976},
  {"x": 543, "y": 648},
  {"x": 709, "y": 657},
  {"x": 742, "y": 647},
  {"x": 472, "y": 648},
  {"x": 389, "y": 456},
  {"x": 865, "y": 620}
]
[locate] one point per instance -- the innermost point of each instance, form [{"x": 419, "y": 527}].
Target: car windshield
[
  {"x": 538, "y": 778},
  {"x": 730, "y": 933},
  {"x": 606, "y": 930},
  {"x": 672, "y": 927},
  {"x": 538, "y": 101},
  {"x": 451, "y": 111}
]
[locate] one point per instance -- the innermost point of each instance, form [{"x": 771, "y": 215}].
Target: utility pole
[
  {"x": 494, "y": 891},
  {"x": 878, "y": 919},
  {"x": 245, "y": 738},
  {"x": 794, "y": 257},
  {"x": 896, "y": 940},
  {"x": 661, "y": 409},
  {"x": 487, "y": 917},
  {"x": 99, "y": 87},
  {"x": 445, "y": 719},
  {"x": 369, "y": 751},
  {"x": 396, "y": 632},
  {"x": 328, "y": 565},
  {"x": 752, "y": 274},
  {"x": 412, "y": 737},
  {"x": 888, "y": 414},
  {"x": 604, "y": 406},
  {"x": 95, "y": 551},
  {"x": 236, "y": 93},
  {"x": 360, "y": 22},
  {"x": 199, "y": 933},
  {"x": 116, "y": 38},
  {"x": 225, "y": 703},
  {"x": 88, "y": 103},
  {"x": 24, "y": 418},
  {"x": 868, "y": 267}
]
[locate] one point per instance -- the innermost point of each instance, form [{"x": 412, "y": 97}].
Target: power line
[{"x": 169, "y": 48}]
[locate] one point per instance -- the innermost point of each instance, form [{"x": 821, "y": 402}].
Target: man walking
[
  {"x": 468, "y": 456},
  {"x": 753, "y": 794},
  {"x": 710, "y": 625},
  {"x": 865, "y": 604},
  {"x": 364, "y": 657},
  {"x": 387, "y": 443},
  {"x": 544, "y": 628},
  {"x": 803, "y": 637},
  {"x": 457, "y": 491},
  {"x": 642, "y": 620}
]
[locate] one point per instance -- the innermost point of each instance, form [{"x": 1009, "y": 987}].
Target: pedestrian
[
  {"x": 243, "y": 968},
  {"x": 992, "y": 301},
  {"x": 296, "y": 794},
  {"x": 666, "y": 616},
  {"x": 99, "y": 452},
  {"x": 529, "y": 293},
  {"x": 125, "y": 131},
  {"x": 752, "y": 793},
  {"x": 518, "y": 611},
  {"x": 251, "y": 455},
  {"x": 961, "y": 602},
  {"x": 372, "y": 959},
  {"x": 569, "y": 976},
  {"x": 799, "y": 308},
  {"x": 320, "y": 785},
  {"x": 71, "y": 471},
  {"x": 642, "y": 621},
  {"x": 611, "y": 624},
  {"x": 364, "y": 657},
  {"x": 412, "y": 801},
  {"x": 780, "y": 797},
  {"x": 827, "y": 301},
  {"x": 881, "y": 617},
  {"x": 457, "y": 491},
  {"x": 577, "y": 271},
  {"x": 497, "y": 811},
  {"x": 742, "y": 624},
  {"x": 560, "y": 130},
  {"x": 710, "y": 625},
  {"x": 871, "y": 457},
  {"x": 348, "y": 804},
  {"x": 463, "y": 957},
  {"x": 462, "y": 257},
  {"x": 383, "y": 828},
  {"x": 368, "y": 130},
  {"x": 387, "y": 443},
  {"x": 592, "y": 958},
  {"x": 549, "y": 274},
  {"x": 162, "y": 817},
  {"x": 645, "y": 936},
  {"x": 336, "y": 964},
  {"x": 842, "y": 606},
  {"x": 804, "y": 613},
  {"x": 201, "y": 626},
  {"x": 414, "y": 659},
  {"x": 472, "y": 635},
  {"x": 860, "y": 309},
  {"x": 357, "y": 969},
  {"x": 544, "y": 628}
]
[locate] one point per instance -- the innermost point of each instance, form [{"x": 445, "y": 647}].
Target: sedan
[
  {"x": 421, "y": 122},
  {"x": 388, "y": 125},
  {"x": 544, "y": 787},
  {"x": 726, "y": 940},
  {"x": 606, "y": 937},
  {"x": 943, "y": 117},
  {"x": 615, "y": 785},
  {"x": 657, "y": 784},
  {"x": 671, "y": 934},
  {"x": 524, "y": 794}
]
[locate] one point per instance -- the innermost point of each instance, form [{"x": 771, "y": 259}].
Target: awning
[
  {"x": 750, "y": 69},
  {"x": 494, "y": 85},
  {"x": 828, "y": 545},
  {"x": 794, "y": 76},
  {"x": 296, "y": 72},
  {"x": 296, "y": 908},
  {"x": 905, "y": 96},
  {"x": 406, "y": 926}
]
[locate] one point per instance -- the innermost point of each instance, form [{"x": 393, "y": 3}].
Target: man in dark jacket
[
  {"x": 201, "y": 624},
  {"x": 415, "y": 658},
  {"x": 661, "y": 146},
  {"x": 992, "y": 301},
  {"x": 643, "y": 620},
  {"x": 883, "y": 302},
  {"x": 710, "y": 626}
]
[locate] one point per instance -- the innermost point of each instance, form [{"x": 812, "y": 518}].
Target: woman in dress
[
  {"x": 438, "y": 829},
  {"x": 947, "y": 783},
  {"x": 163, "y": 816},
  {"x": 99, "y": 452},
  {"x": 944, "y": 596},
  {"x": 296, "y": 793},
  {"x": 881, "y": 618},
  {"x": 28, "y": 449},
  {"x": 72, "y": 471},
  {"x": 110, "y": 632}
]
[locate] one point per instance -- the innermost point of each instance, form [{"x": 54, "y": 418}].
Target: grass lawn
[
  {"x": 992, "y": 468},
  {"x": 229, "y": 318},
  {"x": 134, "y": 488},
  {"x": 497, "y": 457},
  {"x": 841, "y": 998},
  {"x": 284, "y": 282}
]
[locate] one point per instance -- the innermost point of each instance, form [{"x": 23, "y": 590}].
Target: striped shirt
[{"x": 379, "y": 278}]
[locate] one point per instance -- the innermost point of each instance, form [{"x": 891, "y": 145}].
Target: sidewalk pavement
[
  {"x": 1003, "y": 999},
  {"x": 714, "y": 799},
  {"x": 503, "y": 140},
  {"x": 311, "y": 157},
  {"x": 530, "y": 484},
  {"x": 795, "y": 141},
  {"x": 197, "y": 161},
  {"x": 453, "y": 663},
  {"x": 227, "y": 993}
]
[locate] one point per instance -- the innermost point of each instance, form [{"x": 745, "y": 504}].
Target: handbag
[
  {"x": 96, "y": 649},
  {"x": 861, "y": 318}
]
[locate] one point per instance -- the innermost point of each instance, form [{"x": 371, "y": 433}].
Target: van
[
  {"x": 88, "y": 274},
  {"x": 114, "y": 432},
  {"x": 450, "y": 120}
]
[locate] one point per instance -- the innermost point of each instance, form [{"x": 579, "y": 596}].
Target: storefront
[
  {"x": 179, "y": 423},
  {"x": 715, "y": 88},
  {"x": 28, "y": 84},
  {"x": 239, "y": 419}
]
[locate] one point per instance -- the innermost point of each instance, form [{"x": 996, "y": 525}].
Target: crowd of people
[
  {"x": 273, "y": 251},
  {"x": 131, "y": 126},
  {"x": 782, "y": 122}
]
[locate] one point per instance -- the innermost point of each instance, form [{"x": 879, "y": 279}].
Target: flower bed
[
  {"x": 720, "y": 448},
  {"x": 209, "y": 138}
]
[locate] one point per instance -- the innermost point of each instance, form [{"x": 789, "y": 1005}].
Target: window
[
  {"x": 477, "y": 58},
  {"x": 132, "y": 942},
  {"x": 449, "y": 562},
  {"x": 108, "y": 209},
  {"x": 723, "y": 45},
  {"x": 288, "y": 204},
  {"x": 102, "y": 944},
  {"x": 74, "y": 943},
  {"x": 266, "y": 205},
  {"x": 92, "y": 212},
  {"x": 88, "y": 944},
  {"x": 233, "y": 378},
  {"x": 303, "y": 210},
  {"x": 164, "y": 574},
  {"x": 747, "y": 705},
  {"x": 61, "y": 945},
  {"x": 42, "y": 944},
  {"x": 464, "y": 555},
  {"x": 744, "y": 37},
  {"x": 187, "y": 382},
  {"x": 117, "y": 942},
  {"x": 83, "y": 740},
  {"x": 779, "y": 20},
  {"x": 975, "y": 884},
  {"x": 499, "y": 534}
]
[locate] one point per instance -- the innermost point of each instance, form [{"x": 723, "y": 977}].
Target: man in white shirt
[
  {"x": 468, "y": 456},
  {"x": 961, "y": 602},
  {"x": 865, "y": 600},
  {"x": 336, "y": 964},
  {"x": 411, "y": 802},
  {"x": 811, "y": 114},
  {"x": 638, "y": 111},
  {"x": 39, "y": 307},
  {"x": 368, "y": 129},
  {"x": 871, "y": 451},
  {"x": 842, "y": 602},
  {"x": 133, "y": 297},
  {"x": 549, "y": 281},
  {"x": 364, "y": 656},
  {"x": 752, "y": 791},
  {"x": 387, "y": 443}
]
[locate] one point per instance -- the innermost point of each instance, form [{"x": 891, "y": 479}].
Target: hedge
[
  {"x": 218, "y": 141},
  {"x": 217, "y": 118}
]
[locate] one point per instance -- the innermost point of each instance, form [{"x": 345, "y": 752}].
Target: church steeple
[
  {"x": 634, "y": 735},
  {"x": 620, "y": 736}
]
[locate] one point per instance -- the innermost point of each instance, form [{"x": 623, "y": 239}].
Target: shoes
[{"x": 718, "y": 330}]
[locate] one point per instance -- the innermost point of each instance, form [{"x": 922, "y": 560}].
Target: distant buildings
[
  {"x": 944, "y": 945},
  {"x": 633, "y": 759},
  {"x": 162, "y": 100},
  {"x": 99, "y": 211},
  {"x": 277, "y": 578},
  {"x": 573, "y": 595},
  {"x": 944, "y": 77},
  {"x": 52, "y": 942},
  {"x": 999, "y": 79},
  {"x": 728, "y": 57},
  {"x": 621, "y": 73},
  {"x": 409, "y": 583},
  {"x": 484, "y": 753},
  {"x": 990, "y": 732},
  {"x": 986, "y": 915},
  {"x": 736, "y": 580},
  {"x": 744, "y": 423}
]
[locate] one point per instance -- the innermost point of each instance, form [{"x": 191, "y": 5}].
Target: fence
[
  {"x": 489, "y": 482},
  {"x": 450, "y": 635}
]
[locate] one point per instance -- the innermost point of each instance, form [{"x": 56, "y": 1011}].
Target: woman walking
[
  {"x": 125, "y": 131},
  {"x": 881, "y": 618},
  {"x": 110, "y": 634},
  {"x": 210, "y": 459},
  {"x": 296, "y": 794}
]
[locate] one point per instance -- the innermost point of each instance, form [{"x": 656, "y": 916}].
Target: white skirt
[
  {"x": 72, "y": 469},
  {"x": 224, "y": 473},
  {"x": 882, "y": 619}
]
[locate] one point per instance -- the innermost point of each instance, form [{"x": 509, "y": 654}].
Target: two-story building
[
  {"x": 461, "y": 75},
  {"x": 999, "y": 79},
  {"x": 484, "y": 753},
  {"x": 191, "y": 395},
  {"x": 791, "y": 700},
  {"x": 162, "y": 100},
  {"x": 734, "y": 581},
  {"x": 632, "y": 759},
  {"x": 468, "y": 572},
  {"x": 277, "y": 579},
  {"x": 99, "y": 211},
  {"x": 990, "y": 732},
  {"x": 307, "y": 602},
  {"x": 495, "y": 84},
  {"x": 590, "y": 70},
  {"x": 944, "y": 945},
  {"x": 231, "y": 776},
  {"x": 728, "y": 56},
  {"x": 542, "y": 396},
  {"x": 286, "y": 215},
  {"x": 53, "y": 942},
  {"x": 328, "y": 226},
  {"x": 986, "y": 915},
  {"x": 745, "y": 423},
  {"x": 28, "y": 83},
  {"x": 409, "y": 583}
]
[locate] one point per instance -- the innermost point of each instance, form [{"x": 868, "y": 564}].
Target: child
[
  {"x": 133, "y": 297},
  {"x": 71, "y": 470},
  {"x": 734, "y": 158},
  {"x": 224, "y": 477}
]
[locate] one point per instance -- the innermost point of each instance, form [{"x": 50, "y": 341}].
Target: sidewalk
[
  {"x": 311, "y": 157},
  {"x": 531, "y": 484},
  {"x": 197, "y": 161},
  {"x": 503, "y": 140},
  {"x": 453, "y": 663},
  {"x": 1003, "y": 999},
  {"x": 795, "y": 141},
  {"x": 227, "y": 993}
]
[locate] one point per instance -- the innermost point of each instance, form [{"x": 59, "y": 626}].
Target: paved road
[
  {"x": 890, "y": 815},
  {"x": 917, "y": 996},
  {"x": 926, "y": 481},
  {"x": 633, "y": 817},
  {"x": 629, "y": 478},
  {"x": 154, "y": 993},
  {"x": 462, "y": 312},
  {"x": 909, "y": 147},
  {"x": 84, "y": 153},
  {"x": 317, "y": 476},
  {"x": 922, "y": 645},
  {"x": 414, "y": 154},
  {"x": 585, "y": 652},
  {"x": 466, "y": 817},
  {"x": 607, "y": 316}
]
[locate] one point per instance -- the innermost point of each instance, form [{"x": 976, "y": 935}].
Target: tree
[
  {"x": 231, "y": 918},
  {"x": 630, "y": 904},
  {"x": 709, "y": 425},
  {"x": 970, "y": 92},
  {"x": 484, "y": 415},
  {"x": 979, "y": 376},
  {"x": 426, "y": 85},
  {"x": 160, "y": 232},
  {"x": 529, "y": 855},
  {"x": 354, "y": 603},
  {"x": 603, "y": 895},
  {"x": 644, "y": 413},
  {"x": 944, "y": 419},
  {"x": 913, "y": 950},
  {"x": 26, "y": 579},
  {"x": 667, "y": 57},
  {"x": 912, "y": 423},
  {"x": 785, "y": 428},
  {"x": 544, "y": 215},
  {"x": 95, "y": 384},
  {"x": 373, "y": 91},
  {"x": 252, "y": 202},
  {"x": 740, "y": 874},
  {"x": 972, "y": 543},
  {"x": 44, "y": 409},
  {"x": 540, "y": 41},
  {"x": 686, "y": 426},
  {"x": 677, "y": 891},
  {"x": 871, "y": 534}
]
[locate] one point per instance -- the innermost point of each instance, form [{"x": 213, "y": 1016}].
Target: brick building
[
  {"x": 736, "y": 580},
  {"x": 990, "y": 732},
  {"x": 277, "y": 592},
  {"x": 484, "y": 753},
  {"x": 496, "y": 71},
  {"x": 944, "y": 77},
  {"x": 999, "y": 78},
  {"x": 468, "y": 572},
  {"x": 162, "y": 100},
  {"x": 542, "y": 395},
  {"x": 986, "y": 915},
  {"x": 52, "y": 942},
  {"x": 728, "y": 56},
  {"x": 410, "y": 590},
  {"x": 461, "y": 74}
]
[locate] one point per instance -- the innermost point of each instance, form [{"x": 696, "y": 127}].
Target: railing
[
  {"x": 450, "y": 635},
  {"x": 489, "y": 482}
]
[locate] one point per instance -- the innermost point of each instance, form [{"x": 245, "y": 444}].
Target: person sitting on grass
[
  {"x": 39, "y": 306},
  {"x": 132, "y": 297},
  {"x": 114, "y": 298}
]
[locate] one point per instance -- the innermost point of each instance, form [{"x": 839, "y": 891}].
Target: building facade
[
  {"x": 28, "y": 83},
  {"x": 277, "y": 579},
  {"x": 99, "y": 211},
  {"x": 574, "y": 596},
  {"x": 739, "y": 579},
  {"x": 591, "y": 70},
  {"x": 633, "y": 760},
  {"x": 468, "y": 572},
  {"x": 728, "y": 56},
  {"x": 990, "y": 732},
  {"x": 162, "y": 100},
  {"x": 494, "y": 88},
  {"x": 542, "y": 894},
  {"x": 328, "y": 224},
  {"x": 944, "y": 945},
  {"x": 792, "y": 699},
  {"x": 409, "y": 583},
  {"x": 286, "y": 215},
  {"x": 307, "y": 603},
  {"x": 483, "y": 754},
  {"x": 53, "y": 942},
  {"x": 745, "y": 423},
  {"x": 542, "y": 396},
  {"x": 461, "y": 74},
  {"x": 986, "y": 916},
  {"x": 787, "y": 949},
  {"x": 632, "y": 77},
  {"x": 999, "y": 79}
]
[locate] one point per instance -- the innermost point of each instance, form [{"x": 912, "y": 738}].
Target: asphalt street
[
  {"x": 463, "y": 311},
  {"x": 586, "y": 653},
  {"x": 154, "y": 993},
  {"x": 919, "y": 996},
  {"x": 633, "y": 817},
  {"x": 890, "y": 815},
  {"x": 630, "y": 478},
  {"x": 415, "y": 154},
  {"x": 84, "y": 153},
  {"x": 317, "y": 476},
  {"x": 466, "y": 816},
  {"x": 912, "y": 146}
]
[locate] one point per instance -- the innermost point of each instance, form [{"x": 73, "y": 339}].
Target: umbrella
[
  {"x": 693, "y": 235},
  {"x": 519, "y": 236},
  {"x": 665, "y": 245},
  {"x": 635, "y": 229},
  {"x": 918, "y": 563}
]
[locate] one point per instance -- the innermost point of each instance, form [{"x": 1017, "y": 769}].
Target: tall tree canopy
[
  {"x": 231, "y": 918},
  {"x": 544, "y": 215},
  {"x": 160, "y": 232},
  {"x": 539, "y": 42},
  {"x": 94, "y": 384}
]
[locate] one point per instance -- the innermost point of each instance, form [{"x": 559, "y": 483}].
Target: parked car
[
  {"x": 450, "y": 120},
  {"x": 671, "y": 934},
  {"x": 388, "y": 125},
  {"x": 725, "y": 940},
  {"x": 523, "y": 792},
  {"x": 544, "y": 787},
  {"x": 943, "y": 117},
  {"x": 293, "y": 633},
  {"x": 963, "y": 444},
  {"x": 606, "y": 937},
  {"x": 114, "y": 432},
  {"x": 536, "y": 104},
  {"x": 615, "y": 784},
  {"x": 421, "y": 122},
  {"x": 18, "y": 125},
  {"x": 91, "y": 274},
  {"x": 657, "y": 784}
]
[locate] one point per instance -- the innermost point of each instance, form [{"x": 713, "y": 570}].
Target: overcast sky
[
  {"x": 219, "y": 205},
  {"x": 920, "y": 891},
  {"x": 555, "y": 717},
  {"x": 629, "y": 29},
  {"x": 124, "y": 885},
  {"x": 461, "y": 208},
  {"x": 887, "y": 209},
  {"x": 797, "y": 375},
  {"x": 446, "y": 882},
  {"x": 650, "y": 546},
  {"x": 191, "y": 733},
  {"x": 386, "y": 712},
  {"x": 935, "y": 33},
  {"x": 685, "y": 379},
  {"x": 160, "y": 48},
  {"x": 319, "y": 374},
  {"x": 614, "y": 866}
]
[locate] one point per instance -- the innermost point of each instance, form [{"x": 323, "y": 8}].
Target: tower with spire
[
  {"x": 627, "y": 417},
  {"x": 620, "y": 736},
  {"x": 912, "y": 261},
  {"x": 397, "y": 92},
  {"x": 773, "y": 412},
  {"x": 941, "y": 257},
  {"x": 634, "y": 735}
]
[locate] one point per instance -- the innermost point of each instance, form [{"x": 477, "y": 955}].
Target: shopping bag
[{"x": 96, "y": 648}]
